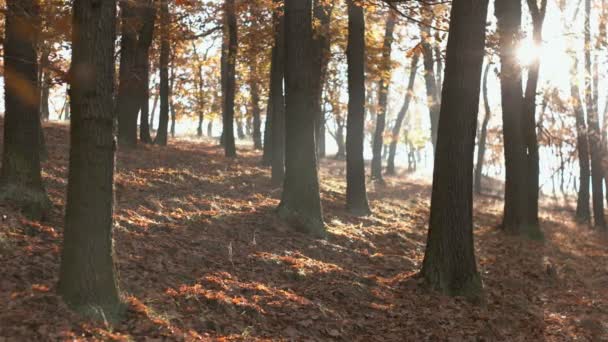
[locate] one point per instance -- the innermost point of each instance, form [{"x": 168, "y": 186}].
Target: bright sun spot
[{"x": 527, "y": 53}]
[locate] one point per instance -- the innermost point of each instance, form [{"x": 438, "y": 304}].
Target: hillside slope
[{"x": 202, "y": 255}]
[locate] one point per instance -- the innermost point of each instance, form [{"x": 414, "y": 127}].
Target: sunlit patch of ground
[{"x": 202, "y": 256}]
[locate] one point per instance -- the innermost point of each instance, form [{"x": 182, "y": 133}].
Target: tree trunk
[
  {"x": 153, "y": 113},
  {"x": 87, "y": 276},
  {"x": 142, "y": 66},
  {"x": 321, "y": 48},
  {"x": 163, "y": 118},
  {"x": 483, "y": 136},
  {"x": 277, "y": 99},
  {"x": 449, "y": 262},
  {"x": 20, "y": 177},
  {"x": 390, "y": 167},
  {"x": 538, "y": 17},
  {"x": 229, "y": 50},
  {"x": 45, "y": 82},
  {"x": 356, "y": 193},
  {"x": 127, "y": 104},
  {"x": 516, "y": 217},
  {"x": 210, "y": 128},
  {"x": 383, "y": 88},
  {"x": 301, "y": 200},
  {"x": 593, "y": 126},
  {"x": 432, "y": 92},
  {"x": 341, "y": 154},
  {"x": 255, "y": 109},
  {"x": 583, "y": 211}
]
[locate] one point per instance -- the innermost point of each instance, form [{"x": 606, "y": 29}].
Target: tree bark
[
  {"x": 322, "y": 11},
  {"x": 516, "y": 210},
  {"x": 383, "y": 89},
  {"x": 255, "y": 109},
  {"x": 87, "y": 276},
  {"x": 127, "y": 105},
  {"x": 229, "y": 50},
  {"x": 356, "y": 193},
  {"x": 390, "y": 167},
  {"x": 277, "y": 99},
  {"x": 300, "y": 202},
  {"x": 449, "y": 262},
  {"x": 538, "y": 18},
  {"x": 20, "y": 177},
  {"x": 432, "y": 93},
  {"x": 594, "y": 133},
  {"x": 165, "y": 50},
  {"x": 142, "y": 66},
  {"x": 483, "y": 136}
]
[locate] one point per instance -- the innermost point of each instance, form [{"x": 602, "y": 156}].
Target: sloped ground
[{"x": 202, "y": 256}]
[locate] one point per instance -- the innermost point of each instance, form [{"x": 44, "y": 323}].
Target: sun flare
[{"x": 527, "y": 53}]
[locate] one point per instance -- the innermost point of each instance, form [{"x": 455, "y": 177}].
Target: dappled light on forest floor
[{"x": 202, "y": 255}]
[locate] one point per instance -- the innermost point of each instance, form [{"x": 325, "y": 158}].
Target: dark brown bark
[
  {"x": 483, "y": 135},
  {"x": 449, "y": 262},
  {"x": 20, "y": 177},
  {"x": 383, "y": 89},
  {"x": 255, "y": 109},
  {"x": 594, "y": 133},
  {"x": 165, "y": 50},
  {"x": 276, "y": 126},
  {"x": 144, "y": 119},
  {"x": 229, "y": 50},
  {"x": 356, "y": 193},
  {"x": 142, "y": 66},
  {"x": 390, "y": 166},
  {"x": 87, "y": 276},
  {"x": 171, "y": 103},
  {"x": 127, "y": 105},
  {"x": 322, "y": 11},
  {"x": 516, "y": 211},
  {"x": 45, "y": 82},
  {"x": 538, "y": 18},
  {"x": 301, "y": 200}
]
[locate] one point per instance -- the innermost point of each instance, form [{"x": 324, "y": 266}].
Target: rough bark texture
[
  {"x": 593, "y": 126},
  {"x": 144, "y": 118},
  {"x": 322, "y": 10},
  {"x": 390, "y": 165},
  {"x": 516, "y": 211},
  {"x": 383, "y": 88},
  {"x": 165, "y": 50},
  {"x": 127, "y": 104},
  {"x": 356, "y": 193},
  {"x": 449, "y": 262},
  {"x": 229, "y": 50},
  {"x": 20, "y": 177},
  {"x": 300, "y": 201},
  {"x": 483, "y": 135},
  {"x": 142, "y": 67},
  {"x": 87, "y": 277}
]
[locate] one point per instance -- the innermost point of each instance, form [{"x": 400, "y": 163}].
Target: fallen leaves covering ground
[{"x": 202, "y": 255}]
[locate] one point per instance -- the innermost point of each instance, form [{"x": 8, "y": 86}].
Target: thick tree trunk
[
  {"x": 516, "y": 211},
  {"x": 432, "y": 93},
  {"x": 383, "y": 88},
  {"x": 87, "y": 276},
  {"x": 390, "y": 167},
  {"x": 147, "y": 13},
  {"x": 593, "y": 126},
  {"x": 449, "y": 262},
  {"x": 20, "y": 177},
  {"x": 356, "y": 193},
  {"x": 229, "y": 50},
  {"x": 321, "y": 46},
  {"x": 301, "y": 200},
  {"x": 277, "y": 100},
  {"x": 583, "y": 210},
  {"x": 127, "y": 105},
  {"x": 483, "y": 136},
  {"x": 144, "y": 123},
  {"x": 163, "y": 118}
]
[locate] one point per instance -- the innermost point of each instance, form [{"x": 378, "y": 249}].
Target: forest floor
[{"x": 202, "y": 255}]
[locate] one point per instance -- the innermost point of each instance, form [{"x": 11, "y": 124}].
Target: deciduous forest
[{"x": 304, "y": 170}]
